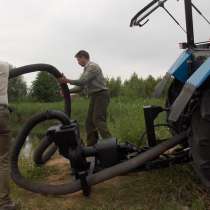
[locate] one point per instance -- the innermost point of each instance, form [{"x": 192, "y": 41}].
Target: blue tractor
[
  {"x": 187, "y": 109},
  {"x": 188, "y": 97}
]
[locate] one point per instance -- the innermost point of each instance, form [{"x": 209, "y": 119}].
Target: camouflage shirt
[{"x": 91, "y": 80}]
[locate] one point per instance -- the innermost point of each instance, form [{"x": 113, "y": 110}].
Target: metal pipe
[
  {"x": 133, "y": 21},
  {"x": 189, "y": 23}
]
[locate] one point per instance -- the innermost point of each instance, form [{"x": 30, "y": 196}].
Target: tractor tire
[{"x": 200, "y": 143}]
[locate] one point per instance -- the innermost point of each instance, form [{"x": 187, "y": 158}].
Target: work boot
[{"x": 9, "y": 206}]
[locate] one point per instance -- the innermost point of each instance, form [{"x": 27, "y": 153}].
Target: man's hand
[{"x": 63, "y": 80}]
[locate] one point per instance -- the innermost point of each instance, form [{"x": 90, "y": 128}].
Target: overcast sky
[{"x": 52, "y": 31}]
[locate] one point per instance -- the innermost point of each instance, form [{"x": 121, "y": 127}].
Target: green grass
[
  {"x": 175, "y": 188},
  {"x": 126, "y": 120}
]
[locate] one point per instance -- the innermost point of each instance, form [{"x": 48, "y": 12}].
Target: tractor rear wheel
[{"x": 200, "y": 142}]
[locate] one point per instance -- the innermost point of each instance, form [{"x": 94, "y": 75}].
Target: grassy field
[
  {"x": 126, "y": 120},
  {"x": 175, "y": 188}
]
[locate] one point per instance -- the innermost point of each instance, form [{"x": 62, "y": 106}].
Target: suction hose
[
  {"x": 93, "y": 179},
  {"x": 44, "y": 151},
  {"x": 50, "y": 69}
]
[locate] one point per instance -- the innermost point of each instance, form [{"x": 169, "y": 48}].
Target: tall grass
[{"x": 125, "y": 116}]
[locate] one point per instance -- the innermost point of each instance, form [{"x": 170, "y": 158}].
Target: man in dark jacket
[{"x": 93, "y": 83}]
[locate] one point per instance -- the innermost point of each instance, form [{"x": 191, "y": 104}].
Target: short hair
[{"x": 82, "y": 53}]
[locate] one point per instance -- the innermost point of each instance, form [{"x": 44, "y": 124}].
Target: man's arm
[
  {"x": 11, "y": 66},
  {"x": 75, "y": 89},
  {"x": 90, "y": 74}
]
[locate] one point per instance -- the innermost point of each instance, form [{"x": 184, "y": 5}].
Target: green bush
[
  {"x": 45, "y": 88},
  {"x": 17, "y": 89}
]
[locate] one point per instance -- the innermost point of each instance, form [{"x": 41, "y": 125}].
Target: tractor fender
[
  {"x": 179, "y": 71},
  {"x": 196, "y": 80}
]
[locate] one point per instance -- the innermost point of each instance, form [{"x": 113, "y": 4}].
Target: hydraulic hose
[{"x": 93, "y": 179}]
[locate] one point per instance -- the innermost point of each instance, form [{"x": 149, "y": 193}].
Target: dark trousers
[
  {"x": 97, "y": 116},
  {"x": 4, "y": 156}
]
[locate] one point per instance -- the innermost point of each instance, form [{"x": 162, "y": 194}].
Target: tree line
[{"x": 46, "y": 89}]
